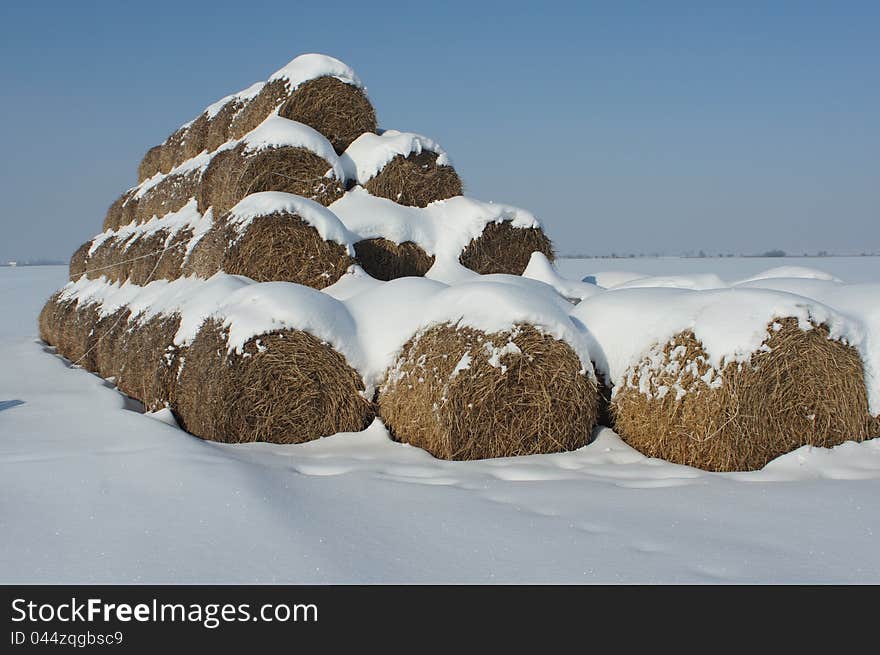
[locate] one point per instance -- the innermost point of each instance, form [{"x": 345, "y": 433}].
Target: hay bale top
[
  {"x": 266, "y": 203},
  {"x": 278, "y": 132},
  {"x": 198, "y": 163},
  {"x": 731, "y": 324},
  {"x": 442, "y": 229},
  {"x": 370, "y": 153},
  {"x": 311, "y": 66},
  {"x": 390, "y": 314}
]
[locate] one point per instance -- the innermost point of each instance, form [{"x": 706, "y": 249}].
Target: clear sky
[{"x": 624, "y": 126}]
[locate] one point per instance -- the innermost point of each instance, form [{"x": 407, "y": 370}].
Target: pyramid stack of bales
[{"x": 241, "y": 200}]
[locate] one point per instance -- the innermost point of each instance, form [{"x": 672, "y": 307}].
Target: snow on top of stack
[
  {"x": 312, "y": 66},
  {"x": 623, "y": 324},
  {"x": 265, "y": 203},
  {"x": 442, "y": 229},
  {"x": 370, "y": 153},
  {"x": 276, "y": 132}
]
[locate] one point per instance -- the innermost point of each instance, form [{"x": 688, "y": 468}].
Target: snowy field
[{"x": 95, "y": 491}]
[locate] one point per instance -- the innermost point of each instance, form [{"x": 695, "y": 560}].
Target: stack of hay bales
[
  {"x": 178, "y": 299},
  {"x": 728, "y": 380}
]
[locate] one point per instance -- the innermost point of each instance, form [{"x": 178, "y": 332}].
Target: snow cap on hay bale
[
  {"x": 262, "y": 368},
  {"x": 274, "y": 236},
  {"x": 316, "y": 90},
  {"x": 221, "y": 114},
  {"x": 407, "y": 168},
  {"x": 506, "y": 374},
  {"x": 727, "y": 380},
  {"x": 446, "y": 235},
  {"x": 280, "y": 155}
]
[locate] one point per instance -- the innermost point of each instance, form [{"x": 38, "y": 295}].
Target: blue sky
[{"x": 625, "y": 126}]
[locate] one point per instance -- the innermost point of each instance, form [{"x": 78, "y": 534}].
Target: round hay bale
[
  {"x": 49, "y": 319},
  {"x": 217, "y": 131},
  {"x": 168, "y": 195},
  {"x": 503, "y": 248},
  {"x": 151, "y": 361},
  {"x": 385, "y": 260},
  {"x": 206, "y": 256},
  {"x": 339, "y": 111},
  {"x": 194, "y": 140},
  {"x": 122, "y": 211},
  {"x": 75, "y": 332},
  {"x": 170, "y": 152},
  {"x": 150, "y": 164},
  {"x": 281, "y": 246},
  {"x": 78, "y": 261},
  {"x": 108, "y": 260},
  {"x": 111, "y": 343},
  {"x": 800, "y": 388},
  {"x": 258, "y": 108},
  {"x": 239, "y": 172},
  {"x": 152, "y": 256},
  {"x": 460, "y": 393},
  {"x": 285, "y": 387},
  {"x": 415, "y": 180}
]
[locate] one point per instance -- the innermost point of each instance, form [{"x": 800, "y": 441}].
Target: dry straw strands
[
  {"x": 386, "y": 260},
  {"x": 503, "y": 248},
  {"x": 239, "y": 172},
  {"x": 415, "y": 180},
  {"x": 285, "y": 387},
  {"x": 460, "y": 393},
  {"x": 803, "y": 388},
  {"x": 339, "y": 111}
]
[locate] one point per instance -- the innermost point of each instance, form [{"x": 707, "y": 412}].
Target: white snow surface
[
  {"x": 265, "y": 203},
  {"x": 442, "y": 229},
  {"x": 97, "y": 491},
  {"x": 311, "y": 66},
  {"x": 370, "y": 153},
  {"x": 542, "y": 269}
]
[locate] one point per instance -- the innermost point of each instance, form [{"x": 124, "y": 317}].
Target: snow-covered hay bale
[
  {"x": 415, "y": 180},
  {"x": 386, "y": 260},
  {"x": 150, "y": 360},
  {"x": 122, "y": 212},
  {"x": 78, "y": 260},
  {"x": 408, "y": 168},
  {"x": 274, "y": 236},
  {"x": 318, "y": 91},
  {"x": 236, "y": 173},
  {"x": 461, "y": 393},
  {"x": 285, "y": 386},
  {"x": 505, "y": 248},
  {"x": 800, "y": 388},
  {"x": 140, "y": 257},
  {"x": 70, "y": 327},
  {"x": 112, "y": 342},
  {"x": 339, "y": 110},
  {"x": 150, "y": 164},
  {"x": 168, "y": 195}
]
